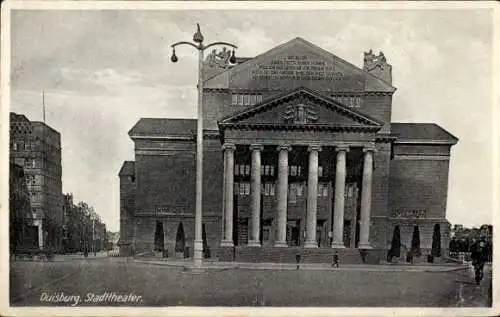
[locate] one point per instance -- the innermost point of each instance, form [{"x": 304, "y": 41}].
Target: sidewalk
[
  {"x": 215, "y": 265},
  {"x": 80, "y": 256}
]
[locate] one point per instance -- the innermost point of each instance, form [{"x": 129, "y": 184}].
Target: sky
[{"x": 103, "y": 70}]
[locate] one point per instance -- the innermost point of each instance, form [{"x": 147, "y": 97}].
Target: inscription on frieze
[
  {"x": 301, "y": 67},
  {"x": 411, "y": 213}
]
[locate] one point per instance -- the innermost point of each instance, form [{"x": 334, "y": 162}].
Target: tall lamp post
[{"x": 198, "y": 44}]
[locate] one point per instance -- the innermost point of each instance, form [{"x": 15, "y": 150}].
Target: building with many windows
[
  {"x": 37, "y": 148},
  {"x": 300, "y": 156}
]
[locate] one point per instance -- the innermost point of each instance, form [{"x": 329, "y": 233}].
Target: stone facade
[
  {"x": 37, "y": 148},
  {"x": 296, "y": 115}
]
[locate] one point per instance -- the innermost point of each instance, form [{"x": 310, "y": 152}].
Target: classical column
[
  {"x": 256, "y": 192},
  {"x": 282, "y": 195},
  {"x": 228, "y": 193},
  {"x": 312, "y": 198},
  {"x": 338, "y": 211},
  {"x": 366, "y": 199}
]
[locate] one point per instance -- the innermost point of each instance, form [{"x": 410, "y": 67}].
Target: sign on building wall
[
  {"x": 409, "y": 213},
  {"x": 296, "y": 67}
]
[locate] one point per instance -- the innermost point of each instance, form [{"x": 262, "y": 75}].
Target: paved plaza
[{"x": 33, "y": 284}]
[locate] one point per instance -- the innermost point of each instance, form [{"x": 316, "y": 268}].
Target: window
[
  {"x": 241, "y": 169},
  {"x": 242, "y": 189},
  {"x": 323, "y": 190},
  {"x": 29, "y": 163},
  {"x": 300, "y": 189},
  {"x": 30, "y": 180},
  {"x": 357, "y": 103},
  {"x": 350, "y": 190},
  {"x": 245, "y": 99},
  {"x": 267, "y": 170},
  {"x": 253, "y": 99},
  {"x": 295, "y": 170},
  {"x": 292, "y": 193},
  {"x": 268, "y": 189},
  {"x": 350, "y": 101}
]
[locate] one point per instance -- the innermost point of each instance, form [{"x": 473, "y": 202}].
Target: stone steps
[{"x": 288, "y": 255}]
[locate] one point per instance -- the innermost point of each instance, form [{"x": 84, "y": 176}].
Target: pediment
[
  {"x": 298, "y": 63},
  {"x": 301, "y": 108}
]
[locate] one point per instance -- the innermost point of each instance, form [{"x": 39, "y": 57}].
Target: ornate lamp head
[
  {"x": 198, "y": 37},
  {"x": 232, "y": 59},
  {"x": 174, "y": 58}
]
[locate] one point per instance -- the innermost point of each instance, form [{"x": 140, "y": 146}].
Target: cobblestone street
[{"x": 171, "y": 286}]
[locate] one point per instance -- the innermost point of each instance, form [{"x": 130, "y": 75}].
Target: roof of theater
[
  {"x": 163, "y": 126},
  {"x": 421, "y": 132}
]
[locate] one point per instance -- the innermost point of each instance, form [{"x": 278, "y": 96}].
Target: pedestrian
[
  {"x": 297, "y": 259},
  {"x": 335, "y": 259}
]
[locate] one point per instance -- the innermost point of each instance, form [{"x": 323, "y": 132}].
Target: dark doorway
[
  {"x": 293, "y": 232},
  {"x": 395, "y": 249},
  {"x": 204, "y": 235},
  {"x": 235, "y": 220},
  {"x": 415, "y": 242},
  {"x": 347, "y": 233},
  {"x": 180, "y": 239},
  {"x": 31, "y": 236},
  {"x": 261, "y": 218},
  {"x": 206, "y": 248},
  {"x": 243, "y": 231},
  {"x": 358, "y": 216},
  {"x": 295, "y": 239},
  {"x": 159, "y": 237},
  {"x": 436, "y": 241}
]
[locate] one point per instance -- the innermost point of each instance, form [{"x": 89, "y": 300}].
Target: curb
[{"x": 293, "y": 268}]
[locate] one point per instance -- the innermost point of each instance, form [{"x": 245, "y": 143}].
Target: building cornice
[
  {"x": 207, "y": 134},
  {"x": 298, "y": 127},
  {"x": 426, "y": 142},
  {"x": 162, "y": 137},
  {"x": 421, "y": 157},
  {"x": 277, "y": 91}
]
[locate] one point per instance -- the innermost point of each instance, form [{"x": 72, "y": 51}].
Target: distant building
[
  {"x": 37, "y": 148},
  {"x": 72, "y": 227},
  {"x": 300, "y": 155},
  {"x": 22, "y": 233}
]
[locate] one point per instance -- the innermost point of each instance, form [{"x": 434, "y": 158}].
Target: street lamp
[{"x": 198, "y": 39}]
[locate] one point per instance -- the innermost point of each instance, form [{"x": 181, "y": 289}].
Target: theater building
[{"x": 300, "y": 156}]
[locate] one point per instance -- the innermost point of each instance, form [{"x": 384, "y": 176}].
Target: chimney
[{"x": 378, "y": 66}]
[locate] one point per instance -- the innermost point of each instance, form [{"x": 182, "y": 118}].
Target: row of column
[{"x": 312, "y": 196}]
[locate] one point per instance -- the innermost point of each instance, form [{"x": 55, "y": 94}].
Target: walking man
[{"x": 335, "y": 262}]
